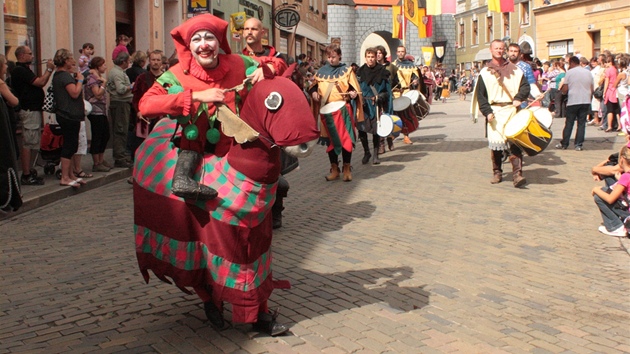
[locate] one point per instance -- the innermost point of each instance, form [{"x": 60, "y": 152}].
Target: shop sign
[
  {"x": 287, "y": 18},
  {"x": 558, "y": 48},
  {"x": 198, "y": 6}
]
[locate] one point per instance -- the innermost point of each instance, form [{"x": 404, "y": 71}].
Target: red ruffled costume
[{"x": 220, "y": 247}]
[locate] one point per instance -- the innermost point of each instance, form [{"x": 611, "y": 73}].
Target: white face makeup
[{"x": 204, "y": 46}]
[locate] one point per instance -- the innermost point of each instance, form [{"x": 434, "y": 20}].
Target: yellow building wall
[{"x": 576, "y": 23}]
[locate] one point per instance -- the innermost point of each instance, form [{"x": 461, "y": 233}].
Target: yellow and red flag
[
  {"x": 397, "y": 22},
  {"x": 501, "y": 5},
  {"x": 411, "y": 12},
  {"x": 425, "y": 29}
]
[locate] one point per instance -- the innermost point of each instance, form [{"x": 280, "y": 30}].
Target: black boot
[
  {"x": 375, "y": 159},
  {"x": 276, "y": 212},
  {"x": 214, "y": 315},
  {"x": 267, "y": 323},
  {"x": 497, "y": 161},
  {"x": 390, "y": 143},
  {"x": 366, "y": 149},
  {"x": 183, "y": 184}
]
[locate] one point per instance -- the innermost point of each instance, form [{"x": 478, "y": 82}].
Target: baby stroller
[{"x": 50, "y": 148}]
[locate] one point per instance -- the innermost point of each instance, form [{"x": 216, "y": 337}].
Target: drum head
[
  {"x": 332, "y": 107},
  {"x": 543, "y": 116},
  {"x": 413, "y": 95},
  {"x": 518, "y": 123},
  {"x": 385, "y": 125},
  {"x": 401, "y": 103}
]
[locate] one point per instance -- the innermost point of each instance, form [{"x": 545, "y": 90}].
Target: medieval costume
[
  {"x": 200, "y": 127},
  {"x": 407, "y": 73},
  {"x": 219, "y": 247},
  {"x": 10, "y": 194},
  {"x": 333, "y": 84},
  {"x": 497, "y": 87},
  {"x": 377, "y": 99}
]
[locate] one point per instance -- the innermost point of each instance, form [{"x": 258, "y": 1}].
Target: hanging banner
[
  {"x": 440, "y": 48},
  {"x": 427, "y": 55}
]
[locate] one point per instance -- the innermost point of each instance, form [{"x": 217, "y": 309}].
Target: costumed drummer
[
  {"x": 188, "y": 92},
  {"x": 408, "y": 78},
  {"x": 377, "y": 99},
  {"x": 336, "y": 82},
  {"x": 381, "y": 58},
  {"x": 200, "y": 81},
  {"x": 499, "y": 92}
]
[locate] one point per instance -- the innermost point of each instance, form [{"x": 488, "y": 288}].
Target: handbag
[
  {"x": 599, "y": 92},
  {"x": 50, "y": 105}
]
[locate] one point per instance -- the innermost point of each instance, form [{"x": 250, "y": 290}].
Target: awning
[{"x": 483, "y": 54}]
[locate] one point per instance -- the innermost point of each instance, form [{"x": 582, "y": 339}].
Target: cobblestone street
[{"x": 420, "y": 254}]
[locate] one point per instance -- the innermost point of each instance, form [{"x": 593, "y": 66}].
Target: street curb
[{"x": 45, "y": 196}]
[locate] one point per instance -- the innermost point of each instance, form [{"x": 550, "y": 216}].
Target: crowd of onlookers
[{"x": 81, "y": 88}]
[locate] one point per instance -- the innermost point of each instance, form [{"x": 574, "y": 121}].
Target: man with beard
[
  {"x": 500, "y": 90},
  {"x": 377, "y": 99},
  {"x": 253, "y": 32},
  {"x": 514, "y": 55},
  {"x": 265, "y": 54},
  {"x": 204, "y": 77}
]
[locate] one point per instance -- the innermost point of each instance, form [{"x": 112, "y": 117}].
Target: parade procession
[{"x": 270, "y": 176}]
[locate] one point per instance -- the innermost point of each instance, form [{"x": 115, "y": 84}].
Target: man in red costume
[{"x": 190, "y": 90}]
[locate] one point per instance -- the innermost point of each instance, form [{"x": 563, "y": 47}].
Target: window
[
  {"x": 489, "y": 24},
  {"x": 506, "y": 24},
  {"x": 475, "y": 32},
  {"x": 19, "y": 29},
  {"x": 462, "y": 35},
  {"x": 596, "y": 38},
  {"x": 525, "y": 13},
  {"x": 627, "y": 39}
]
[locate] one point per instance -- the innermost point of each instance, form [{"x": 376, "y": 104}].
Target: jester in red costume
[
  {"x": 188, "y": 92},
  {"x": 220, "y": 246}
]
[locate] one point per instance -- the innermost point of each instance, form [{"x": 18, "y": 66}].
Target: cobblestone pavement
[{"x": 420, "y": 254}]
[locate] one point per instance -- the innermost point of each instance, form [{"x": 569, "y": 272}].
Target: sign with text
[
  {"x": 198, "y": 6},
  {"x": 287, "y": 17}
]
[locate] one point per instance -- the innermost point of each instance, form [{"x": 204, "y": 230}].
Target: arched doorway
[{"x": 383, "y": 38}]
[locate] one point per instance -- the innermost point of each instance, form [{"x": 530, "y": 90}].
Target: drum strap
[
  {"x": 326, "y": 95},
  {"x": 506, "y": 90}
]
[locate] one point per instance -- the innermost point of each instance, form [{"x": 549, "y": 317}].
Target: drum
[
  {"x": 543, "y": 116},
  {"x": 385, "y": 125},
  {"x": 332, "y": 108},
  {"x": 406, "y": 111},
  {"x": 527, "y": 133},
  {"x": 398, "y": 126},
  {"x": 414, "y": 96}
]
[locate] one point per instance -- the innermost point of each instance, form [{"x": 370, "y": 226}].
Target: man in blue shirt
[{"x": 514, "y": 55}]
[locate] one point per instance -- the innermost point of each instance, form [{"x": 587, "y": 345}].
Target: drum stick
[{"x": 347, "y": 93}]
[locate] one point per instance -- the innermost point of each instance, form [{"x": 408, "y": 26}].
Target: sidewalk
[{"x": 36, "y": 196}]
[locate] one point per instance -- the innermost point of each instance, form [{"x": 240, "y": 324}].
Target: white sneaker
[{"x": 620, "y": 232}]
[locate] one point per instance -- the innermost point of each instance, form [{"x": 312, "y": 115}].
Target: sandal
[
  {"x": 608, "y": 130},
  {"x": 82, "y": 174}
]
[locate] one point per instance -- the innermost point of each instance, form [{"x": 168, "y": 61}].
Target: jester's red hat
[{"x": 184, "y": 32}]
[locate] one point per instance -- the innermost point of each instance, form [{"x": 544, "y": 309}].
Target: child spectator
[{"x": 613, "y": 201}]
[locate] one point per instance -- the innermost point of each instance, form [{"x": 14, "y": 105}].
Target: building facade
[
  {"x": 477, "y": 27},
  {"x": 310, "y": 36},
  {"x": 587, "y": 27},
  {"x": 360, "y": 24},
  {"x": 47, "y": 25}
]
